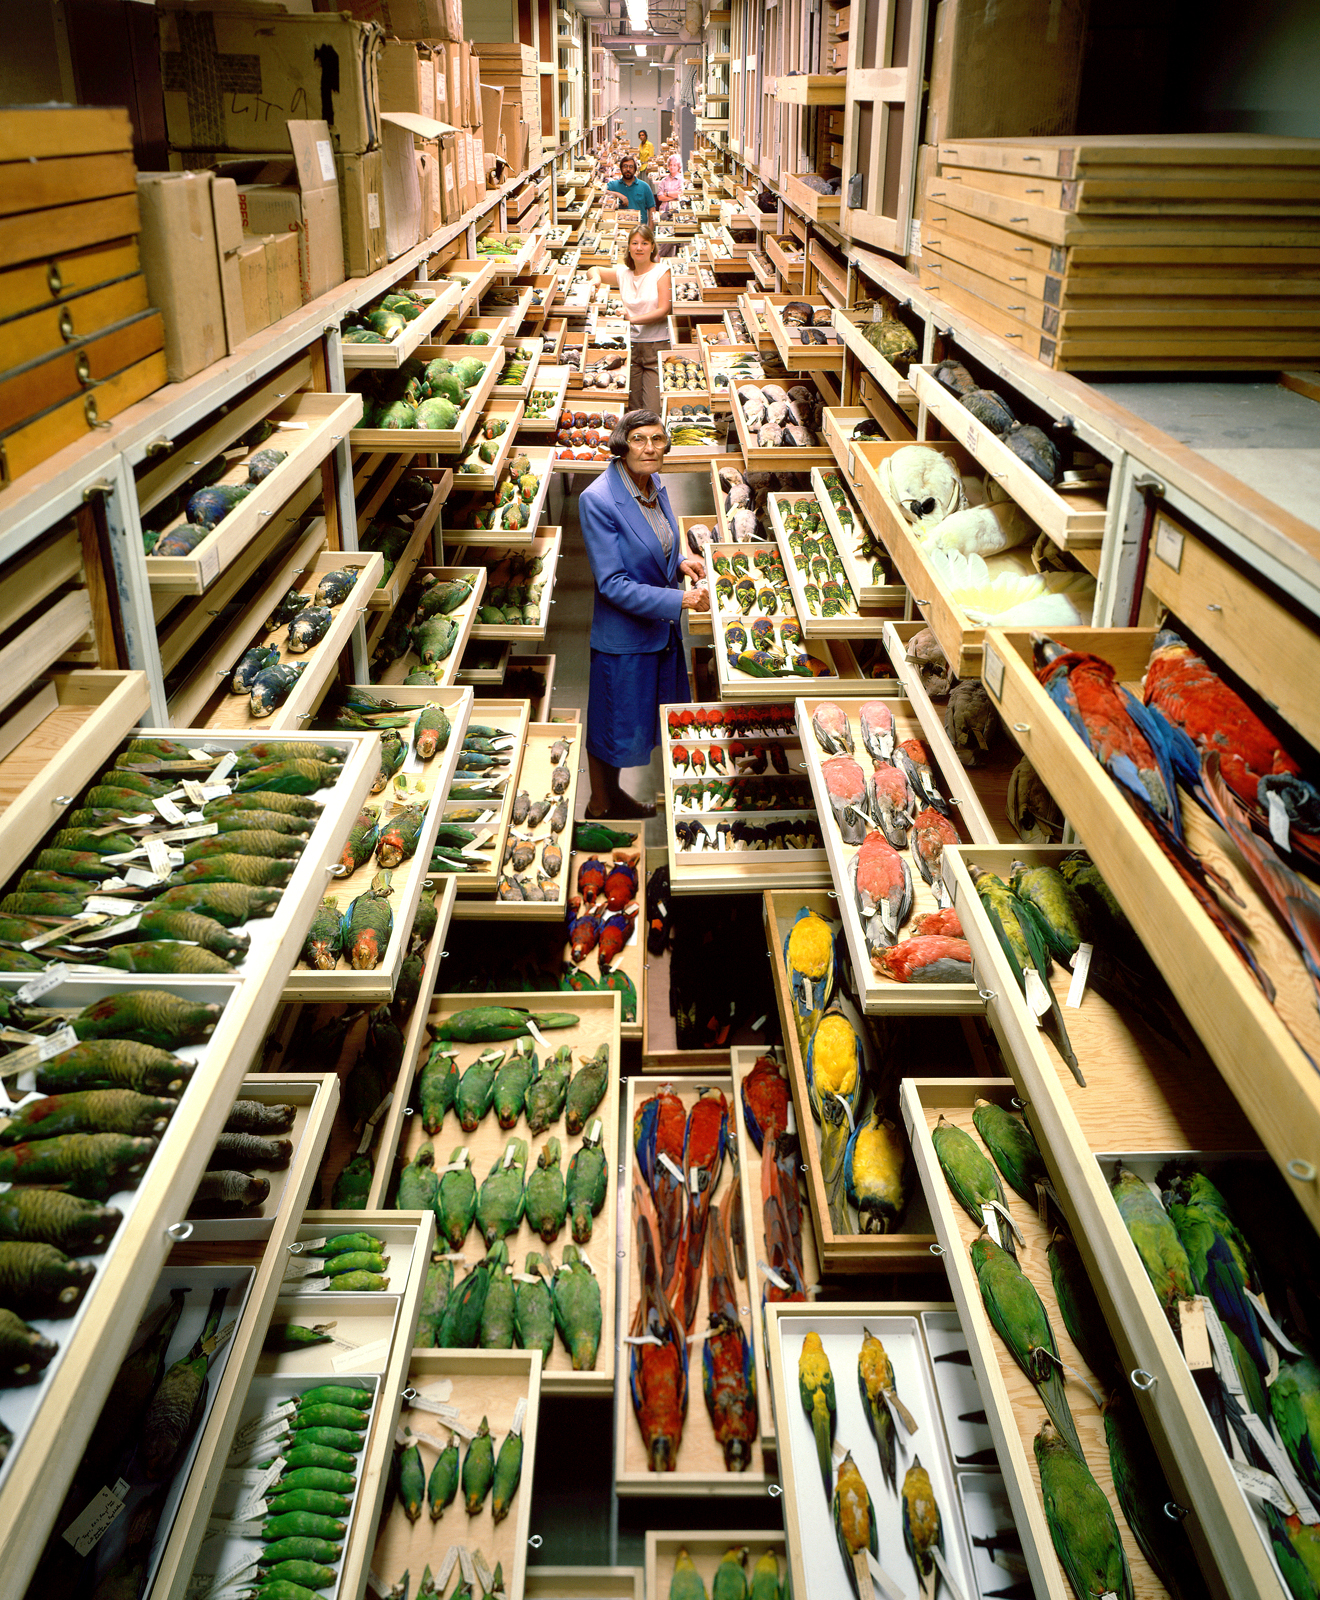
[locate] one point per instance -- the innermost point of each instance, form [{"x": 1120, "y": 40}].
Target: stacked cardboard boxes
[
  {"x": 81, "y": 340},
  {"x": 512, "y": 68}
]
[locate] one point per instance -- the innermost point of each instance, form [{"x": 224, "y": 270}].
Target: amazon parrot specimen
[
  {"x": 1082, "y": 1526},
  {"x": 875, "y": 1380},
  {"x": 854, "y": 1520},
  {"x": 1190, "y": 1187},
  {"x": 1013, "y": 1145},
  {"x": 809, "y": 959},
  {"x": 1080, "y": 1309},
  {"x": 1021, "y": 1321},
  {"x": 686, "y": 1582},
  {"x": 1018, "y": 927},
  {"x": 1143, "y": 1492},
  {"x": 816, "y": 1391},
  {"x": 730, "y": 1578},
  {"x": 972, "y": 1180},
  {"x": 922, "y": 1532},
  {"x": 1287, "y": 1543},
  {"x": 1152, "y": 1231},
  {"x": 1295, "y": 1401}
]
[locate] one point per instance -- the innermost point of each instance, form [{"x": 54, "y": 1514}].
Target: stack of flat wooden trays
[
  {"x": 511, "y": 717},
  {"x": 1171, "y": 252}
]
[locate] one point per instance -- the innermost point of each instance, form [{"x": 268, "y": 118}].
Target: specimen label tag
[
  {"x": 42, "y": 984},
  {"x": 1038, "y": 996},
  {"x": 1195, "y": 1335},
  {"x": 1081, "y": 966},
  {"x": 87, "y": 1531}
]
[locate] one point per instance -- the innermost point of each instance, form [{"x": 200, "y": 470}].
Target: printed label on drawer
[
  {"x": 327, "y": 158},
  {"x": 373, "y": 210},
  {"x": 992, "y": 672},
  {"x": 1169, "y": 544}
]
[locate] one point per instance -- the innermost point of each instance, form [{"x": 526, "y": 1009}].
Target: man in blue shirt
[{"x": 638, "y": 194}]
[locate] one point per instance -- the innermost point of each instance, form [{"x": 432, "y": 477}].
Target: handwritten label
[
  {"x": 1279, "y": 826},
  {"x": 1037, "y": 993},
  {"x": 87, "y": 1531},
  {"x": 446, "y": 1568},
  {"x": 1195, "y": 1335},
  {"x": 465, "y": 1561},
  {"x": 1081, "y": 967},
  {"x": 140, "y": 878},
  {"x": 168, "y": 809},
  {"x": 224, "y": 766},
  {"x": 42, "y": 984},
  {"x": 367, "y": 1355}
]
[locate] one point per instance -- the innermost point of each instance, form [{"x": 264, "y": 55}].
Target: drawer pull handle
[
  {"x": 62, "y": 800},
  {"x": 988, "y": 994},
  {"x": 66, "y": 324},
  {"x": 179, "y": 1231},
  {"x": 1213, "y": 607},
  {"x": 1145, "y": 1381},
  {"x": 1021, "y": 727},
  {"x": 1174, "y": 1511},
  {"x": 1303, "y": 1171},
  {"x": 774, "y": 1490},
  {"x": 937, "y": 1249}
]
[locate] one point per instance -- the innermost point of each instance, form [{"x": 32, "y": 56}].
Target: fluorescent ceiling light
[{"x": 640, "y": 49}]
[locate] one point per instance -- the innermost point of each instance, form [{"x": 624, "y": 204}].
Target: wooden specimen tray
[
  {"x": 1011, "y": 1401},
  {"x": 505, "y": 386},
  {"x": 841, "y": 1248},
  {"x": 584, "y": 1583},
  {"x": 789, "y": 262},
  {"x": 554, "y": 380},
  {"x": 1249, "y": 1040},
  {"x": 388, "y": 594},
  {"x": 486, "y": 475},
  {"x": 492, "y": 674},
  {"x": 533, "y": 775},
  {"x": 546, "y": 545},
  {"x": 48, "y": 638},
  {"x": 848, "y": 624},
  {"x": 758, "y": 325},
  {"x": 598, "y": 1025},
  {"x": 848, "y": 538},
  {"x": 878, "y": 992},
  {"x": 529, "y": 248},
  {"x": 443, "y": 441},
  {"x": 511, "y": 717},
  {"x": 848, "y": 325},
  {"x": 811, "y": 89},
  {"x": 444, "y": 300},
  {"x": 56, "y": 742},
  {"x": 796, "y": 356},
  {"x": 616, "y": 395},
  {"x": 541, "y": 458},
  {"x": 1073, "y": 521},
  {"x": 819, "y": 207},
  {"x": 737, "y": 871},
  {"x": 481, "y": 1383},
  {"x": 779, "y": 458},
  {"x": 398, "y": 670},
  {"x": 207, "y": 690},
  {"x": 632, "y": 959},
  {"x": 744, "y": 1058},
  {"x": 700, "y": 1467},
  {"x": 476, "y": 276},
  {"x": 374, "y": 985},
  {"x": 497, "y": 326},
  {"x": 845, "y": 676},
  {"x": 308, "y": 426},
  {"x": 706, "y": 1550},
  {"x": 960, "y": 781}
]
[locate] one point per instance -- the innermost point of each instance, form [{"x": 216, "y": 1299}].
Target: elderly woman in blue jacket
[{"x": 637, "y": 561}]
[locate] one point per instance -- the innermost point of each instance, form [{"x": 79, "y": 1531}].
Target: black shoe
[{"x": 624, "y": 805}]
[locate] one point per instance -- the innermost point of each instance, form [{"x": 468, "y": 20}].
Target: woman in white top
[{"x": 644, "y": 286}]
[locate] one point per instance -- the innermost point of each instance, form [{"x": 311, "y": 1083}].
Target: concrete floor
[{"x": 578, "y": 1518}]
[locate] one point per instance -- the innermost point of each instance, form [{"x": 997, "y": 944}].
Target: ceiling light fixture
[{"x": 640, "y": 49}]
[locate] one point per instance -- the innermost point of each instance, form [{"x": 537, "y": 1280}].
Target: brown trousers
[{"x": 644, "y": 384}]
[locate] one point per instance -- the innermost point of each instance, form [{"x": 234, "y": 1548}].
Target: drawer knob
[
  {"x": 62, "y": 800},
  {"x": 1174, "y": 1511},
  {"x": 937, "y": 1249},
  {"x": 988, "y": 994}
]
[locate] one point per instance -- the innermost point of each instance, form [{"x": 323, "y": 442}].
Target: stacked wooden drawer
[
  {"x": 80, "y": 342},
  {"x": 1091, "y": 253}
]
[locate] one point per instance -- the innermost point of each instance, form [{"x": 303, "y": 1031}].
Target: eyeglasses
[{"x": 649, "y": 440}]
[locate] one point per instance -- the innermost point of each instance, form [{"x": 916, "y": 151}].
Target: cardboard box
[
  {"x": 439, "y": 64},
  {"x": 474, "y": 91},
  {"x": 251, "y": 257},
  {"x": 451, "y": 203},
  {"x": 307, "y": 207},
  {"x": 405, "y": 19},
  {"x": 182, "y": 267},
  {"x": 521, "y": 57},
  {"x": 407, "y": 78},
  {"x": 428, "y": 180},
  {"x": 283, "y": 277},
  {"x": 403, "y": 203},
  {"x": 515, "y": 134},
  {"x": 228, "y": 219},
  {"x": 229, "y": 77},
  {"x": 361, "y": 212},
  {"x": 492, "y": 107},
  {"x": 478, "y": 167}
]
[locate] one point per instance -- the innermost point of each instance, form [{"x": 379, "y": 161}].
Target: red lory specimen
[{"x": 1104, "y": 717}]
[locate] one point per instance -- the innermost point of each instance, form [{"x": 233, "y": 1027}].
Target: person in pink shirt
[{"x": 670, "y": 188}]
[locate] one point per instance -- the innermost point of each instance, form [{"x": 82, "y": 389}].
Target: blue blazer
[{"x": 636, "y": 595}]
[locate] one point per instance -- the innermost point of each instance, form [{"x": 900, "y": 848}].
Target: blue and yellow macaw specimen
[
  {"x": 809, "y": 961},
  {"x": 1021, "y": 932},
  {"x": 854, "y": 1525},
  {"x": 834, "y": 1089},
  {"x": 1021, "y": 1321},
  {"x": 816, "y": 1392},
  {"x": 1081, "y": 1522},
  {"x": 875, "y": 1160}
]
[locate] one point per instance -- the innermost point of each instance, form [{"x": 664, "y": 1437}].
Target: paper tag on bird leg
[
  {"x": 42, "y": 984},
  {"x": 1259, "y": 1485},
  {"x": 509, "y": 1154},
  {"x": 519, "y": 1415},
  {"x": 459, "y": 1163},
  {"x": 484, "y": 1575},
  {"x": 87, "y": 1531},
  {"x": 672, "y": 1167},
  {"x": 214, "y": 791},
  {"x": 369, "y": 1132},
  {"x": 1195, "y": 1335},
  {"x": 950, "y": 1582},
  {"x": 990, "y": 1218},
  {"x": 592, "y": 1136},
  {"x": 1037, "y": 994},
  {"x": 1081, "y": 966},
  {"x": 54, "y": 935},
  {"x": 644, "y": 1338},
  {"x": 303, "y": 1268},
  {"x": 1224, "y": 1362},
  {"x": 886, "y": 1585},
  {"x": 1278, "y": 1458},
  {"x": 168, "y": 809},
  {"x": 159, "y": 857},
  {"x": 790, "y": 1122},
  {"x": 1008, "y": 1218},
  {"x": 585, "y": 1259},
  {"x": 445, "y": 1569},
  {"x": 252, "y": 1429},
  {"x": 1279, "y": 825},
  {"x": 465, "y": 1561},
  {"x": 1275, "y": 1331},
  {"x": 767, "y": 1271},
  {"x": 223, "y": 767}
]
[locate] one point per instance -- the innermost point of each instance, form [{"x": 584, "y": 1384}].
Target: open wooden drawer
[
  {"x": 462, "y": 614},
  {"x": 444, "y": 300}
]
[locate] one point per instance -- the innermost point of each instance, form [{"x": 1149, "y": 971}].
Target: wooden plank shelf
[
  {"x": 1073, "y": 521},
  {"x": 427, "y": 783},
  {"x": 308, "y": 427},
  {"x": 470, "y": 672},
  {"x": 60, "y": 738},
  {"x": 475, "y": 276},
  {"x": 463, "y": 615},
  {"x": 699, "y": 1464},
  {"x": 1250, "y": 1041},
  {"x": 444, "y": 302},
  {"x": 804, "y": 199},
  {"x": 878, "y": 993}
]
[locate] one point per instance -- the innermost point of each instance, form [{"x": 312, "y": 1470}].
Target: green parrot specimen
[
  {"x": 1295, "y": 1402},
  {"x": 854, "y": 1524},
  {"x": 1082, "y": 1525},
  {"x": 1022, "y": 936},
  {"x": 418, "y": 1183},
  {"x": 816, "y": 1391},
  {"x": 1021, "y": 1321},
  {"x": 1296, "y": 1548},
  {"x": 1013, "y": 1145},
  {"x": 1063, "y": 917},
  {"x": 1192, "y": 1188},
  {"x": 686, "y": 1582},
  {"x": 972, "y": 1180},
  {"x": 765, "y": 1577},
  {"x": 730, "y": 1579},
  {"x": 1080, "y": 1308},
  {"x": 1152, "y": 1231},
  {"x": 502, "y": 1196},
  {"x": 1143, "y": 1494}
]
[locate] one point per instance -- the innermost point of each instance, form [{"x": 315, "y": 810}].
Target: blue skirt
[{"x": 623, "y": 707}]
